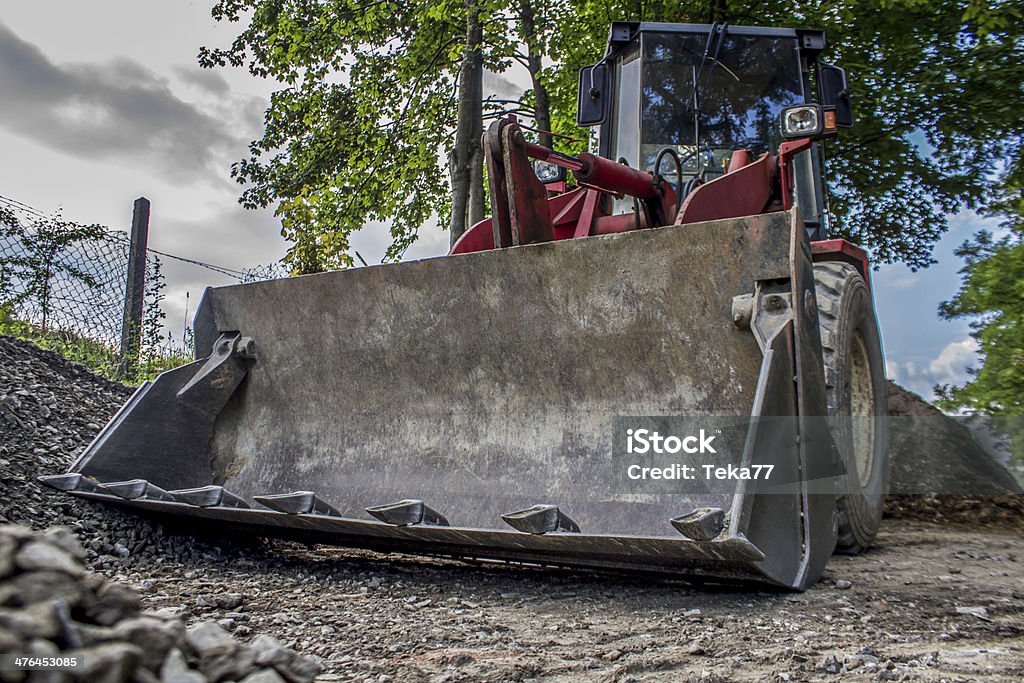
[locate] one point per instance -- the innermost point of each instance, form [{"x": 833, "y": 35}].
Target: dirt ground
[{"x": 927, "y": 603}]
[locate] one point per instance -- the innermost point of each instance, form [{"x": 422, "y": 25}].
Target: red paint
[
  {"x": 739, "y": 159},
  {"x": 743, "y": 192},
  {"x": 480, "y": 237},
  {"x": 841, "y": 250},
  {"x": 615, "y": 178},
  {"x": 525, "y": 214},
  {"x": 588, "y": 214}
]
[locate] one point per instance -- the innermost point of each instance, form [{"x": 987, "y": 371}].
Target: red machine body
[{"x": 525, "y": 211}]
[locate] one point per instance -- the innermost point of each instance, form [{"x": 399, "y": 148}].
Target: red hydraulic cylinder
[{"x": 615, "y": 178}]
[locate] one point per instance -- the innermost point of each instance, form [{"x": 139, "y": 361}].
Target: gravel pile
[
  {"x": 50, "y": 409},
  {"x": 50, "y": 606}
]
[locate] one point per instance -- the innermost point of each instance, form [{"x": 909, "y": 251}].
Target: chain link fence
[
  {"x": 59, "y": 277},
  {"x": 78, "y": 288}
]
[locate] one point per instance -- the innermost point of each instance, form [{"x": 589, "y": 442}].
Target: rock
[
  {"x": 166, "y": 613},
  {"x": 154, "y": 637},
  {"x": 18, "y": 532},
  {"x": 32, "y": 587},
  {"x": 44, "y": 648},
  {"x": 91, "y": 634},
  {"x": 231, "y": 666},
  {"x": 612, "y": 656},
  {"x": 8, "y": 546},
  {"x": 264, "y": 676},
  {"x": 34, "y": 621},
  {"x": 293, "y": 666},
  {"x": 108, "y": 663},
  {"x": 229, "y": 600},
  {"x": 843, "y": 584},
  {"x": 175, "y": 669},
  {"x": 934, "y": 453},
  {"x": 979, "y": 612},
  {"x": 65, "y": 539},
  {"x": 831, "y": 665},
  {"x": 36, "y": 555},
  {"x": 208, "y": 639},
  {"x": 856, "y": 661},
  {"x": 9, "y": 641},
  {"x": 114, "y": 602},
  {"x": 142, "y": 675}
]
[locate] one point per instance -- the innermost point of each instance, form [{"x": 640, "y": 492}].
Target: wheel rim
[{"x": 862, "y": 410}]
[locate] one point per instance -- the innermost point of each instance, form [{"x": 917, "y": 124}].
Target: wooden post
[{"x": 135, "y": 290}]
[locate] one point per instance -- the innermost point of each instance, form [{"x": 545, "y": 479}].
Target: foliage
[
  {"x": 94, "y": 355},
  {"x": 992, "y": 293},
  {"x": 937, "y": 97},
  {"x": 354, "y": 135},
  {"x": 369, "y": 105},
  {"x": 98, "y": 357},
  {"x": 39, "y": 263},
  {"x": 158, "y": 353}
]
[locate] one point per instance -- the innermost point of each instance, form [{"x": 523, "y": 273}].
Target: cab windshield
[{"x": 703, "y": 102}]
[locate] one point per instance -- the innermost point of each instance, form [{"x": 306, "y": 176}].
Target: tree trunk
[
  {"x": 542, "y": 109},
  {"x": 466, "y": 161}
]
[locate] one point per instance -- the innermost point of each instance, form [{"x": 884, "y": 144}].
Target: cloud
[
  {"x": 205, "y": 79},
  {"x": 949, "y": 367},
  {"x": 116, "y": 111},
  {"x": 952, "y": 364},
  {"x": 502, "y": 87}
]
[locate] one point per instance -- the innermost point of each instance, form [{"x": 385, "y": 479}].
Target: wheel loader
[{"x": 476, "y": 405}]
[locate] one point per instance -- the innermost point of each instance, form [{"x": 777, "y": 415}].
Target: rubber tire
[{"x": 846, "y": 316}]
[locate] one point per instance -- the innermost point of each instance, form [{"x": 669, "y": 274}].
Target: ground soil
[
  {"x": 940, "y": 597},
  {"x": 376, "y": 617}
]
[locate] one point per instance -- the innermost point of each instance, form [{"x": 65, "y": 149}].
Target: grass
[{"x": 99, "y": 357}]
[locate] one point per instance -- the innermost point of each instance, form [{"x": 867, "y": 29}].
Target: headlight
[
  {"x": 804, "y": 121},
  {"x": 548, "y": 172}
]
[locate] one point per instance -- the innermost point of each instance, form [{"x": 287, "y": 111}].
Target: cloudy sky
[{"x": 103, "y": 102}]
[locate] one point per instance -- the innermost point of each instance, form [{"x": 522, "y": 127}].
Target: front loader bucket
[{"x": 465, "y": 406}]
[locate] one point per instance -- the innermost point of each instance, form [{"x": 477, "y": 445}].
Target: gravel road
[{"x": 932, "y": 602}]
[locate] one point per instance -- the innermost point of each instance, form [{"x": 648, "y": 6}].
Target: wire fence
[
  {"x": 63, "y": 277},
  {"x": 91, "y": 306}
]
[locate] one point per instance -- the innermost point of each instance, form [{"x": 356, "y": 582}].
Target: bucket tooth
[
  {"x": 540, "y": 519},
  {"x": 134, "y": 489},
  {"x": 408, "y": 513},
  {"x": 297, "y": 503},
  {"x": 71, "y": 482},
  {"x": 703, "y": 524},
  {"x": 208, "y": 497}
]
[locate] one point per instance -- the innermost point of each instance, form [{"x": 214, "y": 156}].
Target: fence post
[{"x": 135, "y": 290}]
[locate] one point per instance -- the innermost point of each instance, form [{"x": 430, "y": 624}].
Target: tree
[
  {"x": 374, "y": 94},
  {"x": 937, "y": 95},
  {"x": 38, "y": 260},
  {"x": 375, "y": 91},
  {"x": 992, "y": 293},
  {"x": 353, "y": 134}
]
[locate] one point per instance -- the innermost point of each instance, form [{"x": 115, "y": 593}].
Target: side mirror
[
  {"x": 832, "y": 92},
  {"x": 593, "y": 95}
]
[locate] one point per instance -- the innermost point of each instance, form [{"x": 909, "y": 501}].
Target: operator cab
[{"x": 679, "y": 99}]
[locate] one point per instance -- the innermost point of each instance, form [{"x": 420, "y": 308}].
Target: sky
[{"x": 102, "y": 102}]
